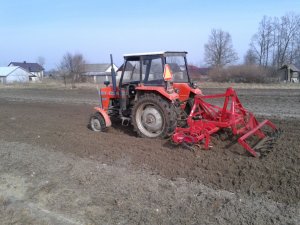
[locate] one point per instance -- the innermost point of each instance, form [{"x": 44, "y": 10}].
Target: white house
[
  {"x": 34, "y": 68},
  {"x": 98, "y": 73},
  {"x": 13, "y": 74}
]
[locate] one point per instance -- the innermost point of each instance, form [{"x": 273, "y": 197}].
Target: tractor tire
[
  {"x": 153, "y": 116},
  {"x": 97, "y": 122}
]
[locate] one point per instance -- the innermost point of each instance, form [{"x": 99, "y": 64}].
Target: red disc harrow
[{"x": 206, "y": 119}]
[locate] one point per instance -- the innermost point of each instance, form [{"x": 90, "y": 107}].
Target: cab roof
[{"x": 162, "y": 53}]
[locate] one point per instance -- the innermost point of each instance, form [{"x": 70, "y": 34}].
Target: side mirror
[{"x": 106, "y": 83}]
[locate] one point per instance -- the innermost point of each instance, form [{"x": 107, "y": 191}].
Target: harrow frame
[{"x": 206, "y": 119}]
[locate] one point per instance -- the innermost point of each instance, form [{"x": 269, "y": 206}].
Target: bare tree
[
  {"x": 72, "y": 66},
  {"x": 277, "y": 41},
  {"x": 287, "y": 39},
  {"x": 263, "y": 41},
  {"x": 250, "y": 58},
  {"x": 219, "y": 51},
  {"x": 297, "y": 55}
]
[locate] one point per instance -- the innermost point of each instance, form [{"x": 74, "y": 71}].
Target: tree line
[{"x": 276, "y": 42}]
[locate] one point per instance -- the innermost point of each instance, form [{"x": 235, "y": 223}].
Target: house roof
[
  {"x": 96, "y": 69},
  {"x": 204, "y": 70},
  {"x": 192, "y": 67},
  {"x": 30, "y": 67},
  {"x": 6, "y": 70},
  {"x": 291, "y": 67},
  {"x": 100, "y": 67}
]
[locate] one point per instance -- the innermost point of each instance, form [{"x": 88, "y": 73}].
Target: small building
[
  {"x": 290, "y": 73},
  {"x": 14, "y": 74},
  {"x": 98, "y": 73},
  {"x": 35, "y": 69}
]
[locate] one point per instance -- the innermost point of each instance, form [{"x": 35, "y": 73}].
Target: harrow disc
[{"x": 266, "y": 145}]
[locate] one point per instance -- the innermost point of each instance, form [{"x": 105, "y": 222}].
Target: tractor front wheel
[
  {"x": 153, "y": 117},
  {"x": 97, "y": 122}
]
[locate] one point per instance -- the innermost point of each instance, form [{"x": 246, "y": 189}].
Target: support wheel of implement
[
  {"x": 153, "y": 117},
  {"x": 97, "y": 122}
]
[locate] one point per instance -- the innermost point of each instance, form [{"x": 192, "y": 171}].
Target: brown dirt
[{"x": 54, "y": 120}]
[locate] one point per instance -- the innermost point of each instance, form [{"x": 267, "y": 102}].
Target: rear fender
[
  {"x": 185, "y": 91},
  {"x": 105, "y": 116},
  {"x": 159, "y": 90}
]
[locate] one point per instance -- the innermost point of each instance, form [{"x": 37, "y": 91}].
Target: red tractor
[
  {"x": 150, "y": 86},
  {"x": 156, "y": 95}
]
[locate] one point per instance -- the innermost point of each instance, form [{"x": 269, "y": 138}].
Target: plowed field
[{"x": 53, "y": 170}]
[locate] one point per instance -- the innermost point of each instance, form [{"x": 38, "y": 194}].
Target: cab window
[
  {"x": 131, "y": 71},
  {"x": 178, "y": 68}
]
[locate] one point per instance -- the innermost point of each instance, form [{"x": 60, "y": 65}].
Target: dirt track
[{"x": 53, "y": 170}]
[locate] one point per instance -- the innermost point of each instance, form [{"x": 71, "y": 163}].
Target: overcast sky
[{"x": 50, "y": 28}]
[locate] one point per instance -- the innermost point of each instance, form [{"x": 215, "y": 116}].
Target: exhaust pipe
[{"x": 113, "y": 75}]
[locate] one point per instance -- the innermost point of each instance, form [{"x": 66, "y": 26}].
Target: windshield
[
  {"x": 178, "y": 67},
  {"x": 132, "y": 71},
  {"x": 149, "y": 70}
]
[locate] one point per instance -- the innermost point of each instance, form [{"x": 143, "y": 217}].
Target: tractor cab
[
  {"x": 153, "y": 89},
  {"x": 146, "y": 70}
]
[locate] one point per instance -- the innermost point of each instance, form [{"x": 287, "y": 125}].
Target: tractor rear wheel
[
  {"x": 153, "y": 117},
  {"x": 97, "y": 122}
]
